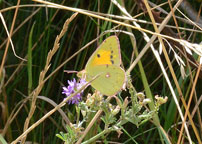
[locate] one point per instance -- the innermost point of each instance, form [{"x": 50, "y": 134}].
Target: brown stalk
[
  {"x": 34, "y": 46},
  {"x": 36, "y": 92},
  {"x": 168, "y": 31},
  {"x": 7, "y": 45},
  {"x": 8, "y": 42}
]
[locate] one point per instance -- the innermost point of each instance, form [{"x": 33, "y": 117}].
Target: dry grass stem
[
  {"x": 36, "y": 92},
  {"x": 160, "y": 38},
  {"x": 50, "y": 113},
  {"x": 8, "y": 42}
]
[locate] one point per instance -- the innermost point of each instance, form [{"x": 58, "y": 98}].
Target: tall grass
[{"x": 39, "y": 40}]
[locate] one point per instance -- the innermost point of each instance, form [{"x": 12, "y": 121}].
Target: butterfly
[{"x": 105, "y": 63}]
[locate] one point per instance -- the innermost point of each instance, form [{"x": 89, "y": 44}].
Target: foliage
[{"x": 47, "y": 40}]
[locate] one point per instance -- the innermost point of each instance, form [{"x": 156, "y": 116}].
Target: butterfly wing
[
  {"x": 108, "y": 53},
  {"x": 105, "y": 63},
  {"x": 110, "y": 78}
]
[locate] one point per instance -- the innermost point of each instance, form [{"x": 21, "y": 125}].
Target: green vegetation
[{"x": 161, "y": 49}]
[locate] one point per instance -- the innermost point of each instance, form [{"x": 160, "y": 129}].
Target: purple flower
[{"x": 72, "y": 88}]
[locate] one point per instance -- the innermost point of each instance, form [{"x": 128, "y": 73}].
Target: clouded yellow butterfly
[{"x": 105, "y": 62}]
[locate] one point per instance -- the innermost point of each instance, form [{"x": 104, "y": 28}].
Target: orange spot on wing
[{"x": 103, "y": 57}]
